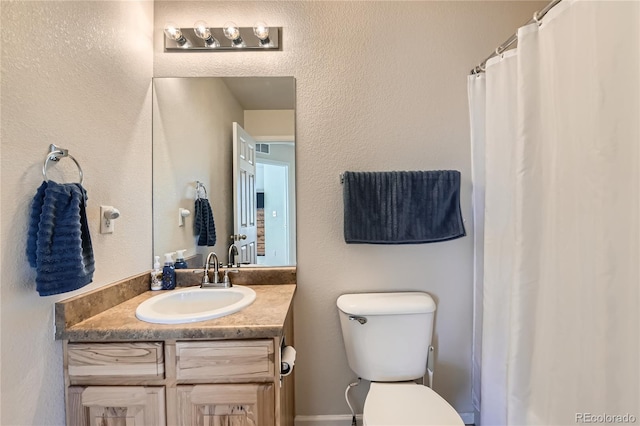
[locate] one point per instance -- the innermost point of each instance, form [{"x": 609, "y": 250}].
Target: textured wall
[
  {"x": 77, "y": 74},
  {"x": 367, "y": 99}
]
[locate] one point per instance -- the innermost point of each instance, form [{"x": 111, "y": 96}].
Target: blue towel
[
  {"x": 402, "y": 207},
  {"x": 203, "y": 224},
  {"x": 58, "y": 241}
]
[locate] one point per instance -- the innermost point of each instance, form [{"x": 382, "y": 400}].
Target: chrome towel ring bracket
[
  {"x": 55, "y": 154},
  {"x": 201, "y": 190}
]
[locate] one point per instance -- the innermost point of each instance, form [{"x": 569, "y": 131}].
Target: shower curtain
[{"x": 556, "y": 165}]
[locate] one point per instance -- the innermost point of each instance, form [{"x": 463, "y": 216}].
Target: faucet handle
[{"x": 225, "y": 280}]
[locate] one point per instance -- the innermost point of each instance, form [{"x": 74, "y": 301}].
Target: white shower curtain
[{"x": 560, "y": 325}]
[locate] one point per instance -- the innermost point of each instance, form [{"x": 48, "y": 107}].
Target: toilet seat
[{"x": 407, "y": 404}]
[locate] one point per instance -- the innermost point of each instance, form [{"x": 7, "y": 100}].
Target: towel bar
[{"x": 55, "y": 154}]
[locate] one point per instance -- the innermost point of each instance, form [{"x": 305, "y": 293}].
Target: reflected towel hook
[
  {"x": 55, "y": 154},
  {"x": 200, "y": 188}
]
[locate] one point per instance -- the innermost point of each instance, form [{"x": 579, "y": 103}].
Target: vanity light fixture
[
  {"x": 201, "y": 29},
  {"x": 230, "y": 37}
]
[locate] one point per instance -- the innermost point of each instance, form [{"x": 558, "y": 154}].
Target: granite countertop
[{"x": 264, "y": 318}]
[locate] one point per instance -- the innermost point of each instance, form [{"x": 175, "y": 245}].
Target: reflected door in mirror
[{"x": 244, "y": 203}]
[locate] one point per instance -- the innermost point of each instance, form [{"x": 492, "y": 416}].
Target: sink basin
[{"x": 194, "y": 304}]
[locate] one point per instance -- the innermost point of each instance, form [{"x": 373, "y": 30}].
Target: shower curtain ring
[{"x": 536, "y": 18}]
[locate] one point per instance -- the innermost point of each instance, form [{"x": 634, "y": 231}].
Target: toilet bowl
[
  {"x": 407, "y": 404},
  {"x": 387, "y": 338}
]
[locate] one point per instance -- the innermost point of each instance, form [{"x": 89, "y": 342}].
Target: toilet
[{"x": 387, "y": 338}]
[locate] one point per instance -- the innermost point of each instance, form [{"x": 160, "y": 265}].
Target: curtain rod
[{"x": 537, "y": 17}]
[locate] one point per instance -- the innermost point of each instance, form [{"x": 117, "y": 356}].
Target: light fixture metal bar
[{"x": 251, "y": 42}]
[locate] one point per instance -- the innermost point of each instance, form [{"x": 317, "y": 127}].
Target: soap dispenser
[
  {"x": 180, "y": 262},
  {"x": 156, "y": 275},
  {"x": 168, "y": 273}
]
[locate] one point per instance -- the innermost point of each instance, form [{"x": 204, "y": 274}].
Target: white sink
[{"x": 194, "y": 304}]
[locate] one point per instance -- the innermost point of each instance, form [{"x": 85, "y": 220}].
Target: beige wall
[
  {"x": 270, "y": 123},
  {"x": 192, "y": 134},
  {"x": 367, "y": 99},
  {"x": 77, "y": 74}
]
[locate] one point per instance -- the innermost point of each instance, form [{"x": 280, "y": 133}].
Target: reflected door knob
[{"x": 237, "y": 237}]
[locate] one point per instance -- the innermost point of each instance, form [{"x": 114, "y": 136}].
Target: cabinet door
[
  {"x": 115, "y": 406},
  {"x": 226, "y": 405}
]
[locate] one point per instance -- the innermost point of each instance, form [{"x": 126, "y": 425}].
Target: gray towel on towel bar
[{"x": 402, "y": 207}]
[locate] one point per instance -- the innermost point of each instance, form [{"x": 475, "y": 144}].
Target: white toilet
[{"x": 387, "y": 338}]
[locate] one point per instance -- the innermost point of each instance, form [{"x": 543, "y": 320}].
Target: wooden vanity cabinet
[{"x": 181, "y": 383}]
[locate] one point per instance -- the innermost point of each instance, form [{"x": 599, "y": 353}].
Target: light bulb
[
  {"x": 173, "y": 32},
  {"x": 261, "y": 30},
  {"x": 232, "y": 32},
  {"x": 201, "y": 29}
]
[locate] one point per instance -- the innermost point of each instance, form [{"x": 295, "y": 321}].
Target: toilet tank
[{"x": 387, "y": 335}]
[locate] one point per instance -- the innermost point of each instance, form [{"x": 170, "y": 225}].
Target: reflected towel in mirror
[{"x": 204, "y": 226}]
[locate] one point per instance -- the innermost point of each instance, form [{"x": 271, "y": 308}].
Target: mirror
[{"x": 193, "y": 133}]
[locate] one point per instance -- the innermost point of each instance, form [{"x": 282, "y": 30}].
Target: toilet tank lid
[{"x": 414, "y": 302}]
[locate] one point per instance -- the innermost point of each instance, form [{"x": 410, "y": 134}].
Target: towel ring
[{"x": 55, "y": 154}]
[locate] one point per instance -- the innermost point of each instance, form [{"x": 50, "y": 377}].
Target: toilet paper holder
[{"x": 287, "y": 361}]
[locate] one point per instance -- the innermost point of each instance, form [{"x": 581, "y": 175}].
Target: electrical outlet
[
  {"x": 182, "y": 213},
  {"x": 106, "y": 225}
]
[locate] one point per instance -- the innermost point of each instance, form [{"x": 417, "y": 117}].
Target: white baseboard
[{"x": 345, "y": 420}]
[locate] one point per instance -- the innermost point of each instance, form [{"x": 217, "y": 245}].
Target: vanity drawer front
[
  {"x": 226, "y": 360},
  {"x": 97, "y": 361}
]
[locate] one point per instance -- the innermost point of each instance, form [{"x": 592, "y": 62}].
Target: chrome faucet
[
  {"x": 233, "y": 253},
  {"x": 205, "y": 278}
]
